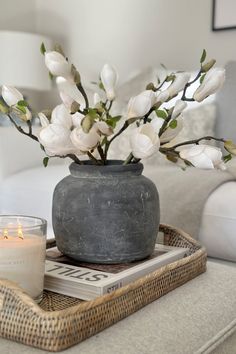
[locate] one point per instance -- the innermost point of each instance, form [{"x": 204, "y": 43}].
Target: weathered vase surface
[{"x": 106, "y": 214}]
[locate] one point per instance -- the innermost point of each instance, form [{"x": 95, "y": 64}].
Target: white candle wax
[{"x": 23, "y": 261}]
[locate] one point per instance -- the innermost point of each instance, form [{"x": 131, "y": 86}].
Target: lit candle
[{"x": 22, "y": 252}]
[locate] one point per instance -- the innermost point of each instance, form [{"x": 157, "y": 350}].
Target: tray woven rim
[{"x": 12, "y": 295}]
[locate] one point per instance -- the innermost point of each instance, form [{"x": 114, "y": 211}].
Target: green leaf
[
  {"x": 87, "y": 123},
  {"x": 173, "y": 124},
  {"x": 50, "y": 75},
  {"x": 93, "y": 113},
  {"x": 22, "y": 103},
  {"x": 172, "y": 158},
  {"x": 161, "y": 113},
  {"x": 104, "y": 141},
  {"x": 150, "y": 86},
  {"x": 45, "y": 161},
  {"x": 203, "y": 57},
  {"x": 227, "y": 158},
  {"x": 21, "y": 108},
  {"x": 202, "y": 78},
  {"x": 112, "y": 121},
  {"x": 206, "y": 67},
  {"x": 163, "y": 66},
  {"x": 230, "y": 147},
  {"x": 3, "y": 107},
  {"x": 100, "y": 85},
  {"x": 42, "y": 48},
  {"x": 170, "y": 77}
]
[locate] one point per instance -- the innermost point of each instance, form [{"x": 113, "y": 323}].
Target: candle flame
[
  {"x": 20, "y": 232},
  {"x": 5, "y": 233}
]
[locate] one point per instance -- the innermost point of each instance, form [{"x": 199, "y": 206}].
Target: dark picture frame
[{"x": 223, "y": 15}]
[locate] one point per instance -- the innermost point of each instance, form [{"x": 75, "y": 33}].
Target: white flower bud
[
  {"x": 96, "y": 99},
  {"x": 212, "y": 82},
  {"x": 84, "y": 141},
  {"x": 67, "y": 100},
  {"x": 11, "y": 95},
  {"x": 25, "y": 116},
  {"x": 60, "y": 115},
  {"x": 139, "y": 105},
  {"x": 170, "y": 133},
  {"x": 162, "y": 96},
  {"x": 144, "y": 141},
  {"x": 68, "y": 88},
  {"x": 179, "y": 83},
  {"x": 57, "y": 64},
  {"x": 109, "y": 80},
  {"x": 203, "y": 156},
  {"x": 178, "y": 108}
]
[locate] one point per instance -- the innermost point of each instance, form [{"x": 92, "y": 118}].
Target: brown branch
[
  {"x": 195, "y": 141},
  {"x": 93, "y": 159},
  {"x": 19, "y": 128},
  {"x": 124, "y": 127},
  {"x": 83, "y": 93}
]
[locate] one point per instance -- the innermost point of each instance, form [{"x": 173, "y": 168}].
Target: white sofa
[{"x": 26, "y": 187}]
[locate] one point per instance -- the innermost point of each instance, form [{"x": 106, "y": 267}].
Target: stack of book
[{"x": 87, "y": 281}]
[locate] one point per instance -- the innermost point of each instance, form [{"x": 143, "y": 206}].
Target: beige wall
[
  {"x": 18, "y": 15},
  {"x": 132, "y": 34}
]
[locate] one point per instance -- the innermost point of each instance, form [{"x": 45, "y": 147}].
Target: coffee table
[{"x": 194, "y": 318}]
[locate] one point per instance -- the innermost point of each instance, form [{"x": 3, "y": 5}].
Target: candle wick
[
  {"x": 5, "y": 234},
  {"x": 20, "y": 234}
]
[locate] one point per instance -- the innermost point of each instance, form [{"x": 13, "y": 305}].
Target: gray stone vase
[{"x": 106, "y": 214}]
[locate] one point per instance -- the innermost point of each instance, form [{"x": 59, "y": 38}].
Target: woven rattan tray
[{"x": 61, "y": 321}]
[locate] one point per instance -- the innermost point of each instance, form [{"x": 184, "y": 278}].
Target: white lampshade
[{"x": 21, "y": 63}]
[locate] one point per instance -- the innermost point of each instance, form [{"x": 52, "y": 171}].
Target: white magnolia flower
[
  {"x": 68, "y": 88},
  {"x": 178, "y": 108},
  {"x": 103, "y": 128},
  {"x": 109, "y": 80},
  {"x": 212, "y": 82},
  {"x": 170, "y": 133},
  {"x": 57, "y": 64},
  {"x": 139, "y": 105},
  {"x": 77, "y": 119},
  {"x": 203, "y": 156},
  {"x": 84, "y": 141},
  {"x": 43, "y": 120},
  {"x": 55, "y": 139},
  {"x": 144, "y": 141},
  {"x": 179, "y": 83},
  {"x": 11, "y": 95},
  {"x": 60, "y": 115}
]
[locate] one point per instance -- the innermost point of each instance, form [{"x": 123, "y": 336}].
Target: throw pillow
[{"x": 198, "y": 122}]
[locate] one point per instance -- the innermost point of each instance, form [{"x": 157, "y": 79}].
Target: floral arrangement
[{"x": 76, "y": 127}]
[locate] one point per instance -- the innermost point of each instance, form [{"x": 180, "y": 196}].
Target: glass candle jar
[{"x": 22, "y": 252}]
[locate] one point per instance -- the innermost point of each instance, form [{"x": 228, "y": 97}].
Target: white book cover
[{"x": 88, "y": 281}]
